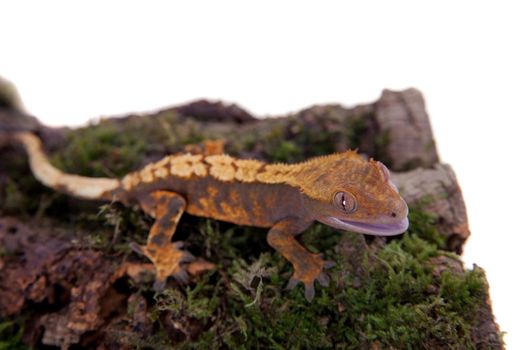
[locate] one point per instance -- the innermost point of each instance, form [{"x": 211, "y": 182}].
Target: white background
[{"x": 72, "y": 63}]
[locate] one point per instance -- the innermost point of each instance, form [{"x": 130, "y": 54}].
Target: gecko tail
[{"x": 74, "y": 185}]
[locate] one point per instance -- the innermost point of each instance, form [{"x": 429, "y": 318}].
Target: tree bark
[
  {"x": 402, "y": 119},
  {"x": 436, "y": 191}
]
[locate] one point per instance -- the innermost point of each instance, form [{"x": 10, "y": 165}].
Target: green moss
[
  {"x": 381, "y": 143},
  {"x": 124, "y": 226},
  {"x": 316, "y": 142},
  {"x": 14, "y": 197},
  {"x": 355, "y": 128},
  {"x": 402, "y": 303},
  {"x": 11, "y": 333},
  {"x": 272, "y": 140},
  {"x": 102, "y": 150},
  {"x": 423, "y": 224},
  {"x": 286, "y": 151},
  {"x": 197, "y": 302},
  {"x": 389, "y": 297},
  {"x": 22, "y": 194}
]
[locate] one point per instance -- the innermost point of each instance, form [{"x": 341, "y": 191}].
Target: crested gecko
[{"x": 341, "y": 190}]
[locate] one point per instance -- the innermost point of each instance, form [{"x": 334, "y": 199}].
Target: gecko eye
[{"x": 345, "y": 202}]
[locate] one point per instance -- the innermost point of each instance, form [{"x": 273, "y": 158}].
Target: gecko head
[{"x": 361, "y": 197}]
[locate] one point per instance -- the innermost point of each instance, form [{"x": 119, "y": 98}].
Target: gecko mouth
[{"x": 390, "y": 229}]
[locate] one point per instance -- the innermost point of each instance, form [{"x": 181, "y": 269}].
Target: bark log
[
  {"x": 395, "y": 129},
  {"x": 402, "y": 119},
  {"x": 437, "y": 191},
  {"x": 43, "y": 269}
]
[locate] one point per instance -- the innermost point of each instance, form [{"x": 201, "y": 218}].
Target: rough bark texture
[
  {"x": 402, "y": 119},
  {"x": 68, "y": 277},
  {"x": 204, "y": 111},
  {"x": 437, "y": 191}
]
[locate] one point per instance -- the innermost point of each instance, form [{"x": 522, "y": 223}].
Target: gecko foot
[
  {"x": 168, "y": 261},
  {"x": 308, "y": 272}
]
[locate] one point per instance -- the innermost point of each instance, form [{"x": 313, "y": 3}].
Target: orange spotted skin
[
  {"x": 239, "y": 203},
  {"x": 342, "y": 190},
  {"x": 287, "y": 198}
]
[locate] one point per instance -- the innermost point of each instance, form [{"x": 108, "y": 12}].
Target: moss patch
[
  {"x": 11, "y": 333},
  {"x": 403, "y": 303},
  {"x": 380, "y": 296}
]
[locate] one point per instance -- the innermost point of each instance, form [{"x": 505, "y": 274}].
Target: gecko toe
[
  {"x": 292, "y": 283},
  {"x": 328, "y": 264},
  {"x": 323, "y": 279},
  {"x": 179, "y": 244},
  {"x": 181, "y": 276},
  {"x": 137, "y": 248},
  {"x": 159, "y": 284},
  {"x": 309, "y": 291},
  {"x": 186, "y": 258}
]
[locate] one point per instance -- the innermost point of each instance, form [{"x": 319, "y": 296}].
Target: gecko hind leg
[
  {"x": 308, "y": 267},
  {"x": 167, "y": 256}
]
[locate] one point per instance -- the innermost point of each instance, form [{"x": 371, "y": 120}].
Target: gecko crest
[{"x": 311, "y": 177}]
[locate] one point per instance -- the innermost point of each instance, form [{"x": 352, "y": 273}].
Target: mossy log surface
[{"x": 68, "y": 277}]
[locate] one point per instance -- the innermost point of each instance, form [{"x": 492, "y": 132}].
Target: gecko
[{"x": 342, "y": 190}]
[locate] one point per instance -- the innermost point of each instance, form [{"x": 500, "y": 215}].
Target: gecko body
[{"x": 342, "y": 190}]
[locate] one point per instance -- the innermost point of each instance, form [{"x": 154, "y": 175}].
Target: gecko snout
[{"x": 400, "y": 210}]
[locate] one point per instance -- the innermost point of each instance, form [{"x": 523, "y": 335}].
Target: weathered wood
[
  {"x": 204, "y": 110},
  {"x": 84, "y": 298},
  {"x": 437, "y": 191},
  {"x": 403, "y": 123}
]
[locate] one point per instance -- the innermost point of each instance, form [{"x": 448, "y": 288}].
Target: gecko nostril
[{"x": 393, "y": 214}]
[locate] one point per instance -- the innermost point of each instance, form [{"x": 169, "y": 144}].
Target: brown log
[
  {"x": 84, "y": 285},
  {"x": 437, "y": 191},
  {"x": 403, "y": 122}
]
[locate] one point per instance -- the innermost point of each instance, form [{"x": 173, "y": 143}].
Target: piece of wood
[
  {"x": 89, "y": 290},
  {"x": 437, "y": 191},
  {"x": 403, "y": 123}
]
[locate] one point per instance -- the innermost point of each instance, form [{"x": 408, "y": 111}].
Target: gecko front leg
[
  {"x": 308, "y": 267},
  {"x": 167, "y": 208}
]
